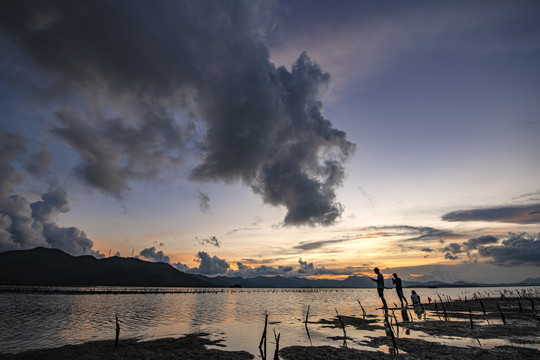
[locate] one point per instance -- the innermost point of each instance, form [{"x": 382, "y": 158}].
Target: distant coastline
[{"x": 53, "y": 267}]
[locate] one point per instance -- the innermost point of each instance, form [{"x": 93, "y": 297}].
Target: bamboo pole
[
  {"x": 502, "y": 315},
  {"x": 484, "y": 310},
  {"x": 276, "y": 353},
  {"x": 391, "y": 332},
  {"x": 342, "y": 324},
  {"x": 262, "y": 344},
  {"x": 397, "y": 325},
  {"x": 363, "y": 311},
  {"x": 117, "y": 331}
]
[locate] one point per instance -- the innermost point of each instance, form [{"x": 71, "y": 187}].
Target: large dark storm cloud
[{"x": 155, "y": 81}]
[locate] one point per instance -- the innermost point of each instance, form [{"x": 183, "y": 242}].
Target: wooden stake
[
  {"x": 484, "y": 310},
  {"x": 391, "y": 335},
  {"x": 397, "y": 325},
  {"x": 342, "y": 324},
  {"x": 502, "y": 315},
  {"x": 363, "y": 311},
  {"x": 262, "y": 348},
  {"x": 276, "y": 353},
  {"x": 444, "y": 312},
  {"x": 117, "y": 331}
]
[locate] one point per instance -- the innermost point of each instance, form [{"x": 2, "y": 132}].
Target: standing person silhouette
[
  {"x": 380, "y": 287},
  {"x": 399, "y": 289}
]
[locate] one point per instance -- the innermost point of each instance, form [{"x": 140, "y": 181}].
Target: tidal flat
[{"x": 483, "y": 328}]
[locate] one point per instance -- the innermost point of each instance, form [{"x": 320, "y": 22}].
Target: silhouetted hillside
[
  {"x": 42, "y": 266},
  {"x": 291, "y": 282}
]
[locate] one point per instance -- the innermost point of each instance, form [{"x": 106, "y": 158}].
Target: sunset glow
[{"x": 290, "y": 138}]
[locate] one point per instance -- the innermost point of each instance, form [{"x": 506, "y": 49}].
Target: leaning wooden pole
[
  {"x": 117, "y": 331},
  {"x": 484, "y": 311},
  {"x": 363, "y": 311},
  {"x": 502, "y": 315},
  {"x": 392, "y": 336},
  {"x": 342, "y": 324}
]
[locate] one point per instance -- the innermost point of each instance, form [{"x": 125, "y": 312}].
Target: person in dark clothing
[
  {"x": 399, "y": 289},
  {"x": 380, "y": 286}
]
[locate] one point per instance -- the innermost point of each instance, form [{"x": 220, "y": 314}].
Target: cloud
[
  {"x": 213, "y": 265},
  {"x": 213, "y": 241},
  {"x": 204, "y": 201},
  {"x": 151, "y": 255},
  {"x": 450, "y": 272},
  {"x": 411, "y": 233},
  {"x": 248, "y": 271},
  {"x": 210, "y": 265},
  {"x": 405, "y": 232},
  {"x": 526, "y": 214},
  {"x": 473, "y": 244},
  {"x": 12, "y": 147},
  {"x": 157, "y": 84},
  {"x": 53, "y": 203},
  {"x": 181, "y": 267},
  {"x": 113, "y": 151},
  {"x": 25, "y": 225},
  {"x": 243, "y": 229},
  {"x": 469, "y": 247},
  {"x": 307, "y": 246},
  {"x": 453, "y": 248},
  {"x": 530, "y": 197},
  {"x": 39, "y": 163},
  {"x": 262, "y": 260},
  {"x": 307, "y": 269},
  {"x": 519, "y": 249}
]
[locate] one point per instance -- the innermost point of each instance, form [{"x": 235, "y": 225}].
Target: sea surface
[{"x": 236, "y": 316}]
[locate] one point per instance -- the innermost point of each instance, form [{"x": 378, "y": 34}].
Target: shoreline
[{"x": 512, "y": 335}]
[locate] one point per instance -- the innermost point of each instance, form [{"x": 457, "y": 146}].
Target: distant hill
[
  {"x": 42, "y": 266},
  {"x": 291, "y": 282},
  {"x": 350, "y": 282},
  {"x": 531, "y": 281}
]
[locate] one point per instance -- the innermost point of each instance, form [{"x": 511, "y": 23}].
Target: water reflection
[{"x": 30, "y": 321}]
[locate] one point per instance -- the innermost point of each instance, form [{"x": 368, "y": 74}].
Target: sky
[{"x": 297, "y": 138}]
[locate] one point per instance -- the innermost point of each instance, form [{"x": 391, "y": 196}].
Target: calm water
[{"x": 32, "y": 321}]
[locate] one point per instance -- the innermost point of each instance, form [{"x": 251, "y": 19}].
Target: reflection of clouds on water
[{"x": 235, "y": 315}]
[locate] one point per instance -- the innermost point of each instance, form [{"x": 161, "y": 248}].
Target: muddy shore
[{"x": 514, "y": 322}]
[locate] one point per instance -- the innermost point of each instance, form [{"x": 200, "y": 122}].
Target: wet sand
[
  {"x": 519, "y": 337},
  {"x": 191, "y": 346}
]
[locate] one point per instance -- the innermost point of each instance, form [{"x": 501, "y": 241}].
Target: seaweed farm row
[{"x": 145, "y": 290}]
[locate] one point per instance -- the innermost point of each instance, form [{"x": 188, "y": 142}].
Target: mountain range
[{"x": 40, "y": 266}]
